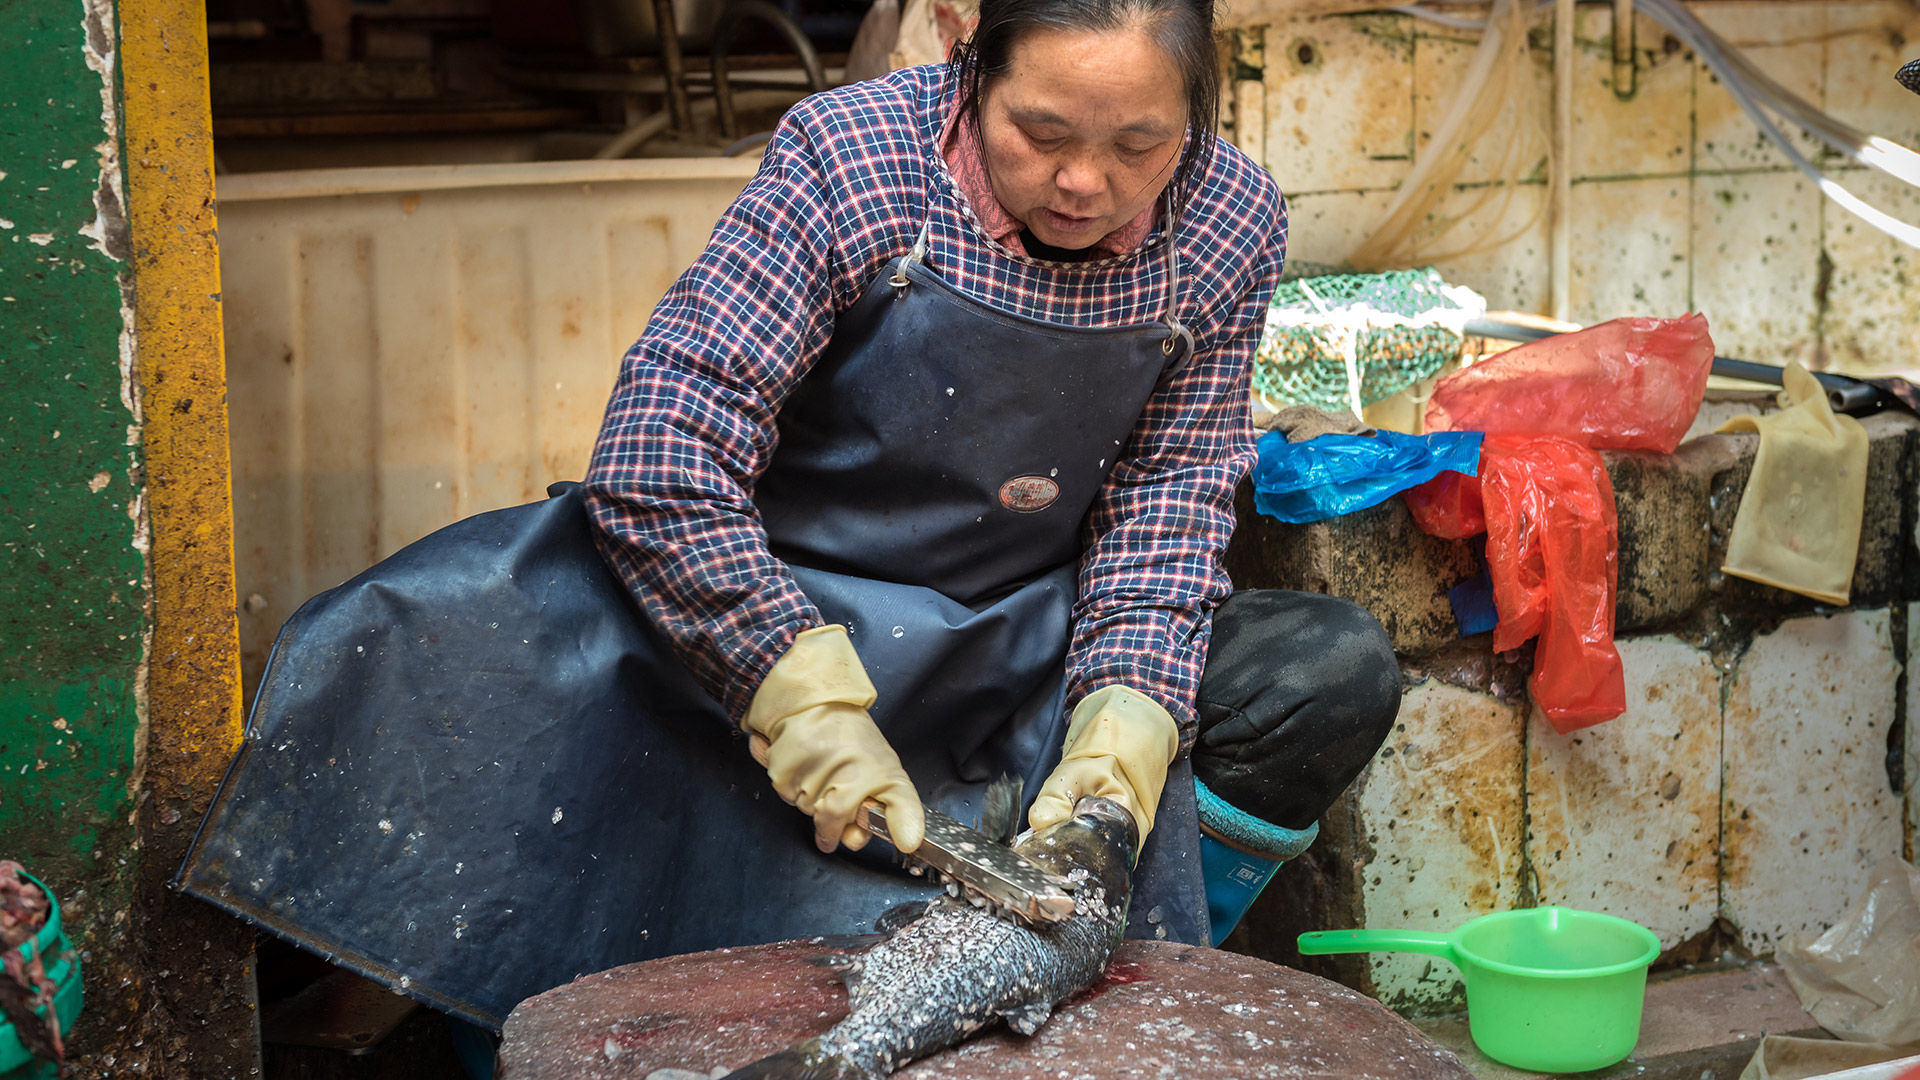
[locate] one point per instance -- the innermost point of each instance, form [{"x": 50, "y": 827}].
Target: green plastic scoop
[{"x": 1549, "y": 989}]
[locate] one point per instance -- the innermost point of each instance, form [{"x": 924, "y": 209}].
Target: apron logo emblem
[{"x": 1026, "y": 494}]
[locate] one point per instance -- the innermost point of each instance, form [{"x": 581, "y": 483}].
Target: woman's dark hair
[{"x": 1182, "y": 28}]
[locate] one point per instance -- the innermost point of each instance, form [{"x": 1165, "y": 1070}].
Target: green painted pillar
[{"x": 73, "y": 573}]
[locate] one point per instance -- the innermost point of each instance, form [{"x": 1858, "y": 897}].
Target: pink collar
[{"x": 961, "y": 149}]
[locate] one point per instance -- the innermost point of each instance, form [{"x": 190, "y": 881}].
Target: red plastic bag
[
  {"x": 1552, "y": 535},
  {"x": 1449, "y": 505},
  {"x": 1629, "y": 384},
  {"x": 1543, "y": 496}
]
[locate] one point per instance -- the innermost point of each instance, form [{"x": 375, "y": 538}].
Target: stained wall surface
[
  {"x": 1764, "y": 763},
  {"x": 1678, "y": 204}
]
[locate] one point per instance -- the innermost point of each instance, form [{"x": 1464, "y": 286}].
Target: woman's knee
[
  {"x": 1299, "y": 692},
  {"x": 1285, "y": 649}
]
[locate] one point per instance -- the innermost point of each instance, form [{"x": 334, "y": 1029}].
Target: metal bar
[
  {"x": 1623, "y": 40},
  {"x": 669, "y": 30},
  {"x": 1560, "y": 216}
]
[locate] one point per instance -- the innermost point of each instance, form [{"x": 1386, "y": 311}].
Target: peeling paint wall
[
  {"x": 73, "y": 592},
  {"x": 1677, "y": 203}
]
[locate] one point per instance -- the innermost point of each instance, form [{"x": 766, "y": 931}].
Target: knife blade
[{"x": 992, "y": 871}]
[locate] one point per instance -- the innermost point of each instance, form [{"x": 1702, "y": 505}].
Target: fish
[
  {"x": 1909, "y": 76},
  {"x": 961, "y": 968}
]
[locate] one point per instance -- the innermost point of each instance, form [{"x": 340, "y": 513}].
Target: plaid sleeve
[
  {"x": 1151, "y": 575},
  {"x": 690, "y": 427}
]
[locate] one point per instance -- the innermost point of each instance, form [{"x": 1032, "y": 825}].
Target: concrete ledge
[
  {"x": 1675, "y": 511},
  {"x": 1377, "y": 557}
]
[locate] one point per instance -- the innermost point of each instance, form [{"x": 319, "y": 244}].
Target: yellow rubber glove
[
  {"x": 1798, "y": 526},
  {"x": 823, "y": 752},
  {"x": 1119, "y": 744}
]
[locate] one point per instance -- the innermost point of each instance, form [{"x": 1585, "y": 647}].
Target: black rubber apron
[{"x": 476, "y": 770}]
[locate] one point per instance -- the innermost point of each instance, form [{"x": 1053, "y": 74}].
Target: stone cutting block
[
  {"x": 1624, "y": 817},
  {"x": 1807, "y": 803},
  {"x": 1377, "y": 558},
  {"x": 1163, "y": 1010}
]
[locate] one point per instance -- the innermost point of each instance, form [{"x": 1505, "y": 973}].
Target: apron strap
[
  {"x": 1179, "y": 344},
  {"x": 917, "y": 255}
]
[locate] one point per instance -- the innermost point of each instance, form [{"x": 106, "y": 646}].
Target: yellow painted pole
[
  {"x": 193, "y": 687},
  {"x": 193, "y": 676}
]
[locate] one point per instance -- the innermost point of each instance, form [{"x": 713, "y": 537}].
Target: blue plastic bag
[{"x": 1338, "y": 474}]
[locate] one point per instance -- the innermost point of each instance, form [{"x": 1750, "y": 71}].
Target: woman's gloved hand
[
  {"x": 1119, "y": 745},
  {"x": 823, "y": 752}
]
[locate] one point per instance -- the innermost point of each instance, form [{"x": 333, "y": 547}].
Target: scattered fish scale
[
  {"x": 923, "y": 989},
  {"x": 962, "y": 966}
]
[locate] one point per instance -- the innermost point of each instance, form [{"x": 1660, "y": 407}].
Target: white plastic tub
[{"x": 410, "y": 346}]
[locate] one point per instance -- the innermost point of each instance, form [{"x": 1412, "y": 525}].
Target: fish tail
[{"x": 805, "y": 1061}]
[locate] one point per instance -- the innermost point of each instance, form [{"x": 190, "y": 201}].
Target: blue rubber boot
[
  {"x": 474, "y": 1046},
  {"x": 1238, "y": 856}
]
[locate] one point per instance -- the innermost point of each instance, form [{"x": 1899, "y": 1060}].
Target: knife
[
  {"x": 985, "y": 868},
  {"x": 988, "y": 870}
]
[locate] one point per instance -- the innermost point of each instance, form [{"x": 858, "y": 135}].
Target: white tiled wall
[
  {"x": 1678, "y": 203},
  {"x": 1807, "y": 805},
  {"x": 1623, "y": 817},
  {"x": 1753, "y": 789},
  {"x": 1441, "y": 813},
  {"x": 1756, "y": 245}
]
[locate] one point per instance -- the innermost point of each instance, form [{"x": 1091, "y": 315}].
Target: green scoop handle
[{"x": 1321, "y": 942}]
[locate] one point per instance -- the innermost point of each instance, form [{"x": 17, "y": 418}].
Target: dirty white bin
[{"x": 410, "y": 346}]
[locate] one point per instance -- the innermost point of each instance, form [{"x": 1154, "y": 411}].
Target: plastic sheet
[
  {"x": 1861, "y": 979},
  {"x": 1337, "y": 474},
  {"x": 1785, "y": 1057},
  {"x": 1547, "y": 508},
  {"x": 1629, "y": 384}
]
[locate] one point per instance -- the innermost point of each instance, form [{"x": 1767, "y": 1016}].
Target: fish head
[
  {"x": 1095, "y": 849},
  {"x": 1113, "y": 822}
]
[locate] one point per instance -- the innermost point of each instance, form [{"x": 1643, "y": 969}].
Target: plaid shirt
[{"x": 845, "y": 186}]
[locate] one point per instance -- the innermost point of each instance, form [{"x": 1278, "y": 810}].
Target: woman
[
  {"x": 974, "y": 346},
  {"x": 919, "y": 476}
]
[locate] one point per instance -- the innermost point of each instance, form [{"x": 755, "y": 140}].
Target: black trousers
[{"x": 1298, "y": 693}]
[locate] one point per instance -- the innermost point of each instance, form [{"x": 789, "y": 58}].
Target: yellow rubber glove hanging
[
  {"x": 1798, "y": 527},
  {"x": 822, "y": 751},
  {"x": 1119, "y": 745}
]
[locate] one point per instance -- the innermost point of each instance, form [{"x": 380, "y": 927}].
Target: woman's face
[{"x": 1082, "y": 132}]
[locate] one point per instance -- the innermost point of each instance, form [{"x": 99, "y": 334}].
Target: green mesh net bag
[{"x": 1344, "y": 341}]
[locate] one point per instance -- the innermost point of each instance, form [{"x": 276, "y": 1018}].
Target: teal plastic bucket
[{"x": 63, "y": 968}]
